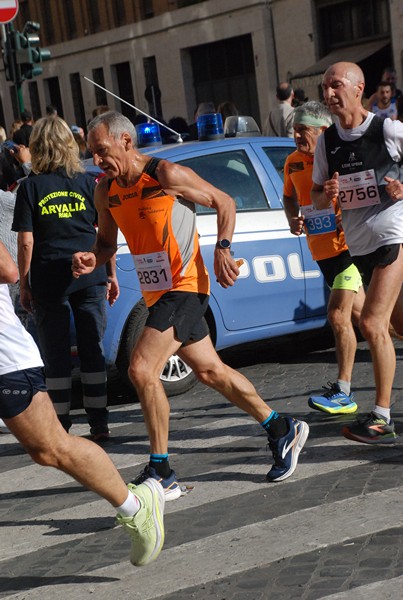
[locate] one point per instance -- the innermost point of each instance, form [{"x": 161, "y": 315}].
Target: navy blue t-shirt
[{"x": 60, "y": 212}]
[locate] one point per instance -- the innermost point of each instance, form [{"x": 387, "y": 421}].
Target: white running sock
[
  {"x": 383, "y": 412},
  {"x": 345, "y": 386},
  {"x": 129, "y": 507}
]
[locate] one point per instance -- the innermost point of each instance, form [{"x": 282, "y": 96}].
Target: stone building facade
[{"x": 166, "y": 56}]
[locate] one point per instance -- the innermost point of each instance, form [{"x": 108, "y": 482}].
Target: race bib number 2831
[
  {"x": 358, "y": 190},
  {"x": 154, "y": 271}
]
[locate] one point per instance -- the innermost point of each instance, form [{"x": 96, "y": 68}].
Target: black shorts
[
  {"x": 17, "y": 390},
  {"x": 382, "y": 257},
  {"x": 331, "y": 267},
  {"x": 184, "y": 312}
]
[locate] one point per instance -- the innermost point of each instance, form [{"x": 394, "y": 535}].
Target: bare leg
[
  {"x": 148, "y": 358},
  {"x": 339, "y": 313},
  {"x": 384, "y": 292},
  {"x": 39, "y": 430},
  {"x": 210, "y": 369}
]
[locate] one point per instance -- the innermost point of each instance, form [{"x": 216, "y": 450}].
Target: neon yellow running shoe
[{"x": 146, "y": 527}]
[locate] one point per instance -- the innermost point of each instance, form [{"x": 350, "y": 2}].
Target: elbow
[
  {"x": 10, "y": 275},
  {"x": 14, "y": 276}
]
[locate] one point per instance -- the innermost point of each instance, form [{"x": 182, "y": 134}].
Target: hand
[
  {"x": 26, "y": 299},
  {"x": 331, "y": 187},
  {"x": 297, "y": 225},
  {"x": 225, "y": 268},
  {"x": 112, "y": 290},
  {"x": 83, "y": 263},
  {"x": 394, "y": 189},
  {"x": 23, "y": 154}
]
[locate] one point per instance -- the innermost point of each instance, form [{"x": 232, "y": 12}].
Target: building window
[
  {"x": 184, "y": 3},
  {"x": 125, "y": 89},
  {"x": 77, "y": 95},
  {"x": 100, "y": 95},
  {"x": 146, "y": 9},
  {"x": 34, "y": 99},
  {"x": 54, "y": 96},
  {"x": 342, "y": 23},
  {"x": 69, "y": 19},
  {"x": 93, "y": 16},
  {"x": 47, "y": 23},
  {"x": 23, "y": 12},
  {"x": 225, "y": 70},
  {"x": 119, "y": 12},
  {"x": 152, "y": 92}
]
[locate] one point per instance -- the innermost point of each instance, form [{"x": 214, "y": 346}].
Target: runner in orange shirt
[
  {"x": 328, "y": 247},
  {"x": 152, "y": 202}
]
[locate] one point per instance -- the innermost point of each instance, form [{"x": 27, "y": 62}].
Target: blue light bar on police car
[
  {"x": 209, "y": 127},
  {"x": 148, "y": 134}
]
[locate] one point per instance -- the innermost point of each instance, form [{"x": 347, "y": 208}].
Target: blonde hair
[
  {"x": 52, "y": 146},
  {"x": 15, "y": 125},
  {"x": 3, "y": 135}
]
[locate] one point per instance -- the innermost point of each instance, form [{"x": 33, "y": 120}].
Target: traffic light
[
  {"x": 28, "y": 54},
  {"x": 11, "y": 68}
]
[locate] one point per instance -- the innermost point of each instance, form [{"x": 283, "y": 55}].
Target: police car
[{"x": 280, "y": 290}]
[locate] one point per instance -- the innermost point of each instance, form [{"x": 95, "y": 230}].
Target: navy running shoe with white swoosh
[
  {"x": 286, "y": 450},
  {"x": 170, "y": 484}
]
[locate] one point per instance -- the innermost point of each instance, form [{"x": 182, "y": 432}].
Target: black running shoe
[{"x": 371, "y": 429}]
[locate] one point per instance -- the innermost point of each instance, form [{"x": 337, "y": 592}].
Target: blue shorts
[{"x": 17, "y": 390}]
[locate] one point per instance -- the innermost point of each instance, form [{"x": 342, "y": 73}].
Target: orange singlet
[
  {"x": 160, "y": 231},
  {"x": 298, "y": 176}
]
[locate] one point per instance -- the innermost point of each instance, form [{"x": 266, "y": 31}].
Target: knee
[
  {"x": 48, "y": 455},
  {"x": 373, "y": 329},
  {"x": 211, "y": 375},
  {"x": 338, "y": 319},
  {"x": 141, "y": 374}
]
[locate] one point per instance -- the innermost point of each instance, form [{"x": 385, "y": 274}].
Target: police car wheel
[{"x": 176, "y": 377}]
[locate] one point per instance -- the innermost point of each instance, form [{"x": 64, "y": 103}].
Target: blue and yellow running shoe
[{"x": 333, "y": 401}]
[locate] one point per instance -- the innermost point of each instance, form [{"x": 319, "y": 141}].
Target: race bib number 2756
[{"x": 358, "y": 190}]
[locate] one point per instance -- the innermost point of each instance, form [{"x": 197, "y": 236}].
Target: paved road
[{"x": 333, "y": 531}]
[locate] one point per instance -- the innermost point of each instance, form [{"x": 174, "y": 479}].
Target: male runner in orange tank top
[{"x": 152, "y": 202}]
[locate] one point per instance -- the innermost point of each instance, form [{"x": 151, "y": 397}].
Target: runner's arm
[
  {"x": 181, "y": 181},
  {"x": 8, "y": 268},
  {"x": 106, "y": 242}
]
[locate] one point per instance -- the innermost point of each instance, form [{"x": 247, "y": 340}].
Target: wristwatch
[{"x": 223, "y": 244}]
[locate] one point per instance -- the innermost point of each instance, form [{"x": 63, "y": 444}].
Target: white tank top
[
  {"x": 18, "y": 350},
  {"x": 390, "y": 112}
]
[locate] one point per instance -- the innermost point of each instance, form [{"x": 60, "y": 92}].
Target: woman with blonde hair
[{"x": 54, "y": 216}]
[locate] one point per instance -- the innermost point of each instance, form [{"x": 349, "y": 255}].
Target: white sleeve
[
  {"x": 393, "y": 135},
  {"x": 320, "y": 166}
]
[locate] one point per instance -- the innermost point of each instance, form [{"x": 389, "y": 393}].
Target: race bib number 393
[
  {"x": 358, "y": 190},
  {"x": 318, "y": 221},
  {"x": 154, "y": 271}
]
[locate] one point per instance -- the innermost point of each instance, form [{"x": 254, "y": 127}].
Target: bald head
[
  {"x": 284, "y": 91},
  {"x": 343, "y": 86},
  {"x": 347, "y": 70}
]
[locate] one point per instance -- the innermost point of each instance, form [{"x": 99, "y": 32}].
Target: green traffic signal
[{"x": 28, "y": 54}]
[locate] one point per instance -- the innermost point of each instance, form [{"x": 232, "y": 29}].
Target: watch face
[{"x": 224, "y": 244}]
